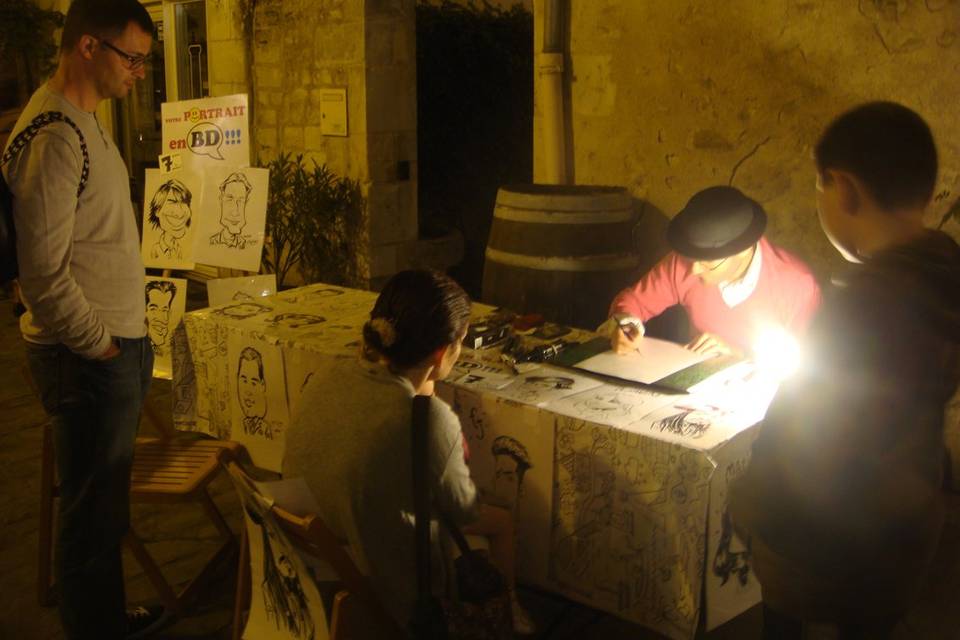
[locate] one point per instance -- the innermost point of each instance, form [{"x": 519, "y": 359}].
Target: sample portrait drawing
[
  {"x": 284, "y": 599},
  {"x": 159, "y": 299},
  {"x": 511, "y": 462},
  {"x": 688, "y": 422},
  {"x": 292, "y": 320},
  {"x": 234, "y": 194},
  {"x": 170, "y": 214},
  {"x": 243, "y": 310},
  {"x": 733, "y": 557},
  {"x": 252, "y": 394}
]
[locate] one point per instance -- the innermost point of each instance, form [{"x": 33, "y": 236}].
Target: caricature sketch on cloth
[{"x": 165, "y": 300}]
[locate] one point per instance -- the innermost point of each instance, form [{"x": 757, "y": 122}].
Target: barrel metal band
[
  {"x": 607, "y": 262},
  {"x": 562, "y": 217}
]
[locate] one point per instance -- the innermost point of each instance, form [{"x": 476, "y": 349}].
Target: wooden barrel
[{"x": 563, "y": 251}]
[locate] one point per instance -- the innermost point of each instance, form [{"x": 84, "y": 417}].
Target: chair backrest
[{"x": 310, "y": 534}]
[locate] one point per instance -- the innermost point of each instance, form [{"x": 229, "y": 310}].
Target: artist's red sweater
[{"x": 786, "y": 295}]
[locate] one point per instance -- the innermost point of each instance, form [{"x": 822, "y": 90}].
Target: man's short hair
[
  {"x": 163, "y": 286},
  {"x": 102, "y": 19},
  {"x": 250, "y": 354},
  {"x": 236, "y": 176},
  {"x": 888, "y": 147},
  {"x": 178, "y": 189}
]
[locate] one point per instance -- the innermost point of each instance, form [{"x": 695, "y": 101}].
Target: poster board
[
  {"x": 230, "y": 231},
  {"x": 170, "y": 211},
  {"x": 205, "y": 132}
]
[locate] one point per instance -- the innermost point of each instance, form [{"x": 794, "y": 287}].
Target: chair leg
[
  {"x": 45, "y": 542},
  {"x": 242, "y": 600},
  {"x": 152, "y": 571}
]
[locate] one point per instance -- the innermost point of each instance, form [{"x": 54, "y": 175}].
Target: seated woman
[{"x": 351, "y": 440}]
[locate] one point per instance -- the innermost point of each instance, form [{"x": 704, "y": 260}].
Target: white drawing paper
[
  {"x": 170, "y": 211},
  {"x": 166, "y": 300},
  {"x": 224, "y": 290},
  {"x": 284, "y": 600},
  {"x": 259, "y": 411},
  {"x": 234, "y": 212},
  {"x": 470, "y": 372},
  {"x": 206, "y": 132},
  {"x": 695, "y": 423},
  {"x": 654, "y": 360}
]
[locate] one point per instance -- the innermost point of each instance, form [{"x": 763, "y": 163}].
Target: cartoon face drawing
[
  {"x": 234, "y": 193},
  {"x": 511, "y": 462},
  {"x": 159, "y": 298},
  {"x": 251, "y": 385},
  {"x": 170, "y": 213}
]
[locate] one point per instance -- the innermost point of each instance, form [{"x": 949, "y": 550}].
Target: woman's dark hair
[{"x": 416, "y": 313}]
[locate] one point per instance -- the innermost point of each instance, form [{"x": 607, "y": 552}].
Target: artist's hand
[
  {"x": 625, "y": 338},
  {"x": 710, "y": 345}
]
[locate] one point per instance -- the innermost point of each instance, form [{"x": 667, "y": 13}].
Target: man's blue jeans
[{"x": 94, "y": 406}]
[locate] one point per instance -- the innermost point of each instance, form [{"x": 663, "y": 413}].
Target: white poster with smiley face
[
  {"x": 166, "y": 300},
  {"x": 233, "y": 217},
  {"x": 170, "y": 204}
]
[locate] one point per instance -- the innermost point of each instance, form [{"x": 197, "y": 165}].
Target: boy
[{"x": 842, "y": 496}]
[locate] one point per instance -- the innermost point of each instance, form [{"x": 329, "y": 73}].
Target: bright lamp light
[{"x": 777, "y": 352}]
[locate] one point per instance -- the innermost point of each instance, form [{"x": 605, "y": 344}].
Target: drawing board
[
  {"x": 230, "y": 231},
  {"x": 171, "y": 206},
  {"x": 258, "y": 409}
]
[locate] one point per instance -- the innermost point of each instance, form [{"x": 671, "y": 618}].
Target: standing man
[
  {"x": 82, "y": 283},
  {"x": 842, "y": 498}
]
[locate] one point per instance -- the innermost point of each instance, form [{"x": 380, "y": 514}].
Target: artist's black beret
[{"x": 717, "y": 223}]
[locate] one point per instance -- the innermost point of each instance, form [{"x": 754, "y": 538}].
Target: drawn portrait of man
[
  {"x": 293, "y": 320},
  {"x": 234, "y": 194},
  {"x": 511, "y": 462},
  {"x": 159, "y": 298},
  {"x": 243, "y": 310},
  {"x": 170, "y": 213},
  {"x": 252, "y": 393}
]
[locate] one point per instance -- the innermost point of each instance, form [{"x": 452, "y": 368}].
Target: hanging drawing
[
  {"x": 230, "y": 231},
  {"x": 166, "y": 300},
  {"x": 169, "y": 219},
  {"x": 259, "y": 398},
  {"x": 243, "y": 289},
  {"x": 284, "y": 601}
]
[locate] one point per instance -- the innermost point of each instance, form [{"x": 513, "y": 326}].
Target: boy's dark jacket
[{"x": 842, "y": 496}]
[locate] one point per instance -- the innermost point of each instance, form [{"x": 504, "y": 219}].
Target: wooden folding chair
[
  {"x": 357, "y": 611},
  {"x": 166, "y": 469}
]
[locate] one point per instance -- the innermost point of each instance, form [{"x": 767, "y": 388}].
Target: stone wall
[{"x": 671, "y": 97}]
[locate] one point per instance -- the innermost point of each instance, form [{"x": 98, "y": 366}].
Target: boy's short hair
[
  {"x": 102, "y": 19},
  {"x": 888, "y": 147}
]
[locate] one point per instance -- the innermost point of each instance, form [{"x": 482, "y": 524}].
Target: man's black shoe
[{"x": 143, "y": 622}]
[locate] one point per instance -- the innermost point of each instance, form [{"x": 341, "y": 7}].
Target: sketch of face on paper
[
  {"x": 733, "y": 556},
  {"x": 543, "y": 386},
  {"x": 243, "y": 310},
  {"x": 292, "y": 320},
  {"x": 234, "y": 193},
  {"x": 168, "y": 221},
  {"x": 245, "y": 288},
  {"x": 259, "y": 410},
  {"x": 687, "y": 421},
  {"x": 285, "y": 599},
  {"x": 235, "y": 203},
  {"x": 511, "y": 462},
  {"x": 165, "y": 300},
  {"x": 252, "y": 393}
]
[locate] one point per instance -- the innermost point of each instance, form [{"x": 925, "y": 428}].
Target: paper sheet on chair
[{"x": 654, "y": 360}]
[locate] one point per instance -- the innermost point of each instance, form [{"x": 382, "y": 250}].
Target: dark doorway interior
[{"x": 474, "y": 119}]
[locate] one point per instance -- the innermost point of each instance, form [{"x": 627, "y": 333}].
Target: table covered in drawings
[{"x": 618, "y": 491}]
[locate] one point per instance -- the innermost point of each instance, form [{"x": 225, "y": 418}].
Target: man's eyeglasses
[{"x": 134, "y": 62}]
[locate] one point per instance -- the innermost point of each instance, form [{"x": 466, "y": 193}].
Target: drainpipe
[{"x": 550, "y": 70}]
